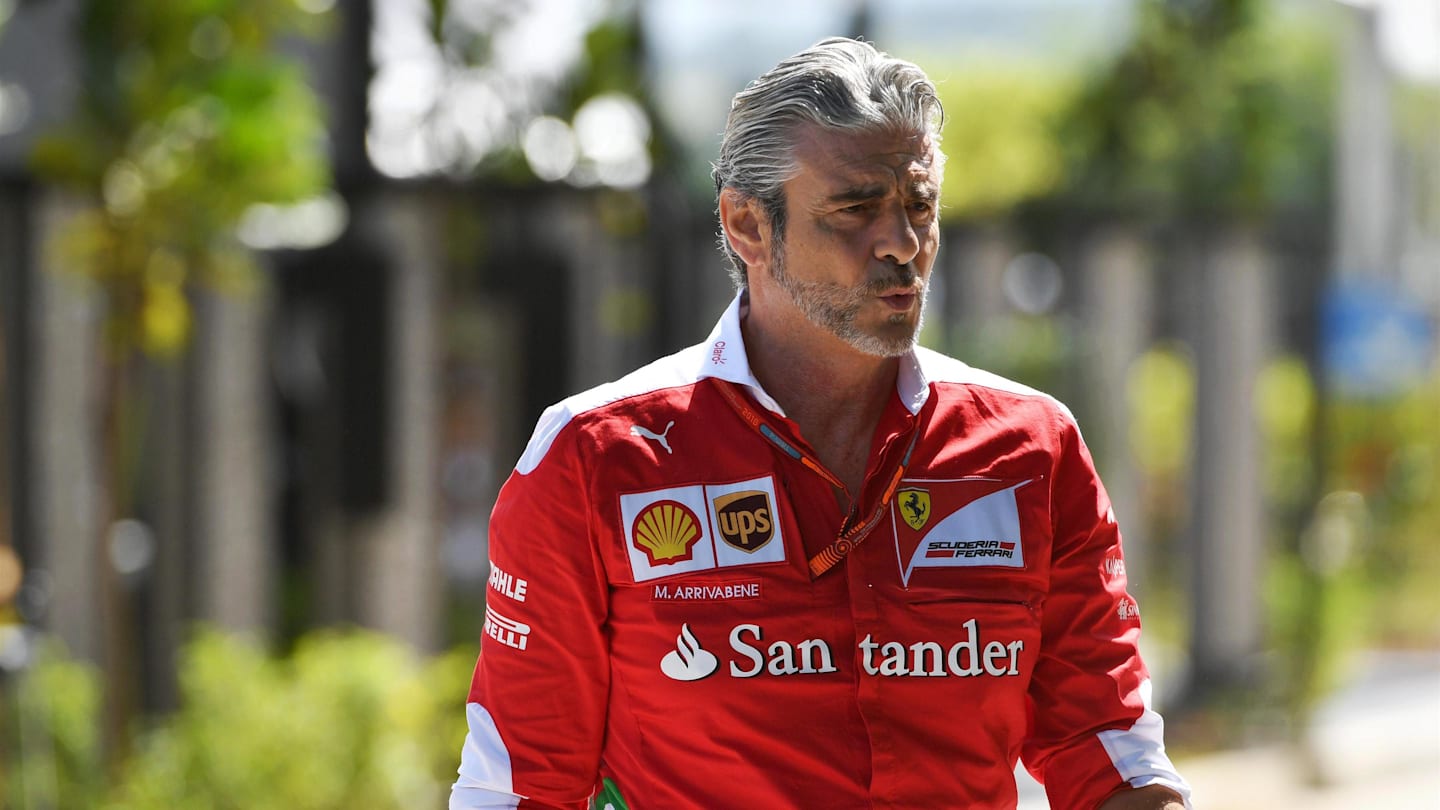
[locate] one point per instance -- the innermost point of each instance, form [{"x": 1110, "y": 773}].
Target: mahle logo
[
  {"x": 667, "y": 532},
  {"x": 746, "y": 519}
]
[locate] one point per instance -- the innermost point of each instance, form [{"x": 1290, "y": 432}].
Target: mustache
[{"x": 903, "y": 276}]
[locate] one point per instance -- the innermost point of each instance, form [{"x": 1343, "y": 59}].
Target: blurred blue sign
[{"x": 1376, "y": 340}]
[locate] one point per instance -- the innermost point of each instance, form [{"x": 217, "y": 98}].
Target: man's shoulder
[
  {"x": 957, "y": 381},
  {"x": 671, "y": 373}
]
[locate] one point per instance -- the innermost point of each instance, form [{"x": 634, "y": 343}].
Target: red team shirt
[{"x": 654, "y": 630}]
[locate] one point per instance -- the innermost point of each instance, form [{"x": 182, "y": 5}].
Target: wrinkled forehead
[{"x": 909, "y": 157}]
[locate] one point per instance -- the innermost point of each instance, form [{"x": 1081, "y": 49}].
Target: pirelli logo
[
  {"x": 745, "y": 519},
  {"x": 506, "y": 630}
]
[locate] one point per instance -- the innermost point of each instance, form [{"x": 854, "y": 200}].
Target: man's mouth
[{"x": 900, "y": 299}]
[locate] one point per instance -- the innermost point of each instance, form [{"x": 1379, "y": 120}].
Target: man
[{"x": 806, "y": 564}]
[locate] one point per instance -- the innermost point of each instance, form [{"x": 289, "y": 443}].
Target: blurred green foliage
[
  {"x": 353, "y": 720},
  {"x": 611, "y": 62},
  {"x": 1000, "y": 136},
  {"x": 1388, "y": 452},
  {"x": 1417, "y": 119},
  {"x": 1356, "y": 569},
  {"x": 189, "y": 113},
  {"x": 1160, "y": 392},
  {"x": 1319, "y": 608},
  {"x": 1222, "y": 107},
  {"x": 1160, "y": 397},
  {"x": 1034, "y": 349},
  {"x": 50, "y": 735},
  {"x": 1216, "y": 107},
  {"x": 1286, "y": 407}
]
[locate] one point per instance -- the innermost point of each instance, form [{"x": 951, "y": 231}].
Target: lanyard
[{"x": 852, "y": 532}]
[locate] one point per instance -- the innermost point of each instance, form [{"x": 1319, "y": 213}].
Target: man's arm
[
  {"x": 1092, "y": 733},
  {"x": 536, "y": 708}
]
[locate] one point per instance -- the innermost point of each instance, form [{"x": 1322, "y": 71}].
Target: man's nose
[{"x": 897, "y": 241}]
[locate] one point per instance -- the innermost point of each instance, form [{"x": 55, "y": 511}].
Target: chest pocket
[{"x": 993, "y": 533}]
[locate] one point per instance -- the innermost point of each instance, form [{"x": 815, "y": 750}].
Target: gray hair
[{"x": 837, "y": 84}]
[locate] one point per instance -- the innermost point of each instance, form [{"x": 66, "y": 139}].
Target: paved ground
[
  {"x": 1376, "y": 742},
  {"x": 1270, "y": 778}
]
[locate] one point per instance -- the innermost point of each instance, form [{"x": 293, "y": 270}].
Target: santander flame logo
[{"x": 688, "y": 661}]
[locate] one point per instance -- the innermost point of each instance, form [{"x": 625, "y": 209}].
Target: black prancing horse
[{"x": 914, "y": 506}]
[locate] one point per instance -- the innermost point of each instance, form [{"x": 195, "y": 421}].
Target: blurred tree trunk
[
  {"x": 1118, "y": 290},
  {"x": 1228, "y": 522},
  {"x": 115, "y": 499},
  {"x": 399, "y": 582},
  {"x": 231, "y": 486},
  {"x": 64, "y": 450}
]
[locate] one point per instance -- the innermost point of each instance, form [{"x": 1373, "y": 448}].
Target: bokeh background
[{"x": 285, "y": 283}]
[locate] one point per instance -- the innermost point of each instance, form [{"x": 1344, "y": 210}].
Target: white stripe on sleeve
[
  {"x": 485, "y": 782},
  {"x": 1138, "y": 753}
]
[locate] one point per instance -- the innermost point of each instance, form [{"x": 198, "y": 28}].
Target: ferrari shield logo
[{"x": 914, "y": 506}]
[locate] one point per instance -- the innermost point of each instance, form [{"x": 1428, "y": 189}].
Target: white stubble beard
[{"x": 834, "y": 308}]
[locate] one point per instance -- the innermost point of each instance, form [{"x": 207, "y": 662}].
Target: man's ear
[{"x": 746, "y": 227}]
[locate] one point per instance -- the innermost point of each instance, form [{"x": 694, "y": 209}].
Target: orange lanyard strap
[{"x": 851, "y": 534}]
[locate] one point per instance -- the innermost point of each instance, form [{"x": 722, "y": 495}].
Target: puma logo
[{"x": 646, "y": 433}]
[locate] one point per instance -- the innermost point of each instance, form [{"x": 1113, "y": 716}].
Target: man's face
[{"x": 861, "y": 235}]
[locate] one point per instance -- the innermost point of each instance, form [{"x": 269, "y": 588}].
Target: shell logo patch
[
  {"x": 699, "y": 527},
  {"x": 666, "y": 532}
]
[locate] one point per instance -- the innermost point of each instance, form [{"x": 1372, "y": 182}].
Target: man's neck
[{"x": 832, "y": 391}]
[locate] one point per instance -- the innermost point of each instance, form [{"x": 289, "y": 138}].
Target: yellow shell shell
[{"x": 667, "y": 530}]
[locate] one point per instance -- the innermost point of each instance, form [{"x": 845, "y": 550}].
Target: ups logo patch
[{"x": 745, "y": 520}]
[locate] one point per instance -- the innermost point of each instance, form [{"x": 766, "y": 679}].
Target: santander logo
[{"x": 688, "y": 661}]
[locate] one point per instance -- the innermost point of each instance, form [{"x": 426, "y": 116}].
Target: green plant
[
  {"x": 51, "y": 748},
  {"x": 353, "y": 720}
]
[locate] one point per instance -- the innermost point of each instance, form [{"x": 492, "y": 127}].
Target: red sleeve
[
  {"x": 1091, "y": 730},
  {"x": 538, "y": 697}
]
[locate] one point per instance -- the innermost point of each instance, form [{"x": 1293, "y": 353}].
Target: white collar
[{"x": 725, "y": 359}]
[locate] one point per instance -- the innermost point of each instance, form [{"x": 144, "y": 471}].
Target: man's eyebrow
[
  {"x": 855, "y": 194},
  {"x": 923, "y": 189}
]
